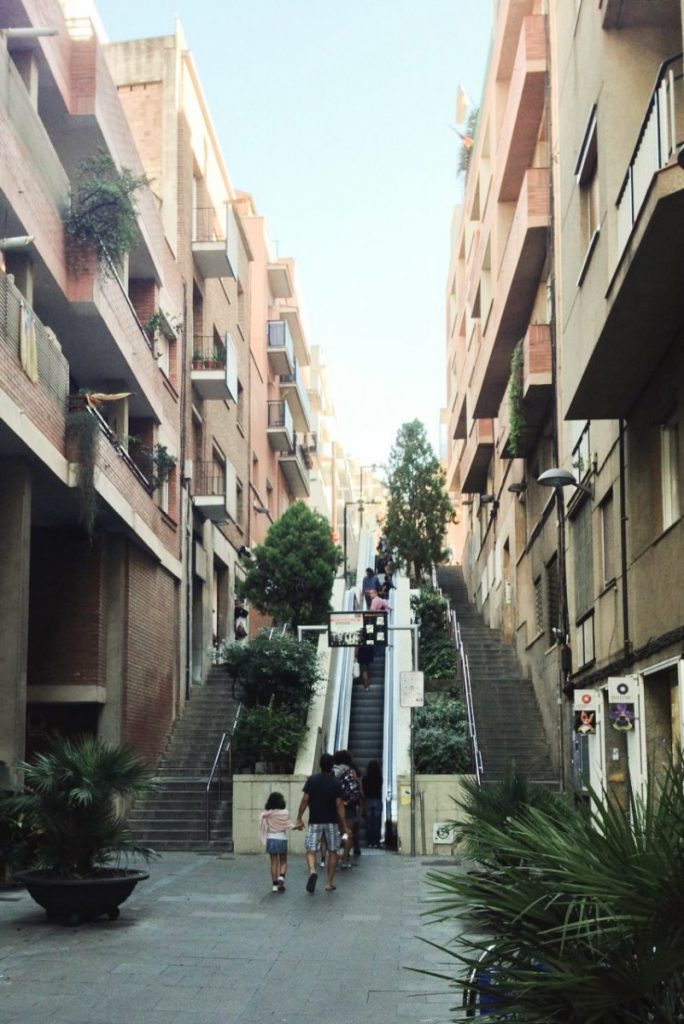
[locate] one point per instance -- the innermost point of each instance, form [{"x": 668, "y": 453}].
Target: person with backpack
[{"x": 352, "y": 795}]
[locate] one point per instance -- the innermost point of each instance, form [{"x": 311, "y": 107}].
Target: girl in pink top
[{"x": 274, "y": 823}]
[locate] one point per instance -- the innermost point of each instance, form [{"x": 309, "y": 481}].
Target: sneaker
[
  {"x": 322, "y": 862},
  {"x": 274, "y": 888},
  {"x": 281, "y": 884},
  {"x": 311, "y": 883},
  {"x": 344, "y": 865}
]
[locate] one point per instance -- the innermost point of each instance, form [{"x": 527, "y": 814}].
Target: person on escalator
[
  {"x": 369, "y": 582},
  {"x": 372, "y": 792}
]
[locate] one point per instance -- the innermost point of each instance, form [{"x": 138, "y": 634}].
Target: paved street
[{"x": 205, "y": 941}]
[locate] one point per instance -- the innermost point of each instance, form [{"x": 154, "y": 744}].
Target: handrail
[
  {"x": 662, "y": 71},
  {"x": 217, "y": 762},
  {"x": 468, "y": 694},
  {"x": 388, "y": 734}
]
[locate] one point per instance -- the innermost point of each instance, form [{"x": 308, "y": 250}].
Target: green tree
[
  {"x": 291, "y": 574},
  {"x": 418, "y": 508}
]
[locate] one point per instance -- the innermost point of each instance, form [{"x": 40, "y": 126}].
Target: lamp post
[
  {"x": 360, "y": 504},
  {"x": 558, "y": 479}
]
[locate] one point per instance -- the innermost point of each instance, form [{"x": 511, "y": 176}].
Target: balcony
[
  {"x": 214, "y": 368},
  {"x": 515, "y": 291},
  {"x": 476, "y": 456},
  {"x": 524, "y": 107},
  {"x": 636, "y": 14},
  {"x": 215, "y": 242},
  {"x": 280, "y": 347},
  {"x": 294, "y": 469},
  {"x": 292, "y": 388},
  {"x": 214, "y": 490},
  {"x": 308, "y": 444},
  {"x": 644, "y": 306},
  {"x": 280, "y": 426},
  {"x": 40, "y": 364},
  {"x": 280, "y": 280},
  {"x": 536, "y": 381}
]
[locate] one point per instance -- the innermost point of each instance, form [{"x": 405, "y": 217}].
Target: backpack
[{"x": 351, "y": 788}]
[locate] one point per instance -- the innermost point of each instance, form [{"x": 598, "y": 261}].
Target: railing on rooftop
[{"x": 658, "y": 140}]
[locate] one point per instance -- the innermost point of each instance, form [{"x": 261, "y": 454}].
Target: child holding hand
[{"x": 274, "y": 824}]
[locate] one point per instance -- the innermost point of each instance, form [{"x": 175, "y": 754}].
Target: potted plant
[{"x": 80, "y": 837}]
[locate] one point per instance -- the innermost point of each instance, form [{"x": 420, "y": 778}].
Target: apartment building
[
  {"x": 619, "y": 126},
  {"x": 578, "y": 369},
  {"x": 160, "y": 92},
  {"x": 90, "y": 413},
  {"x": 331, "y": 482},
  {"x": 499, "y": 416}
]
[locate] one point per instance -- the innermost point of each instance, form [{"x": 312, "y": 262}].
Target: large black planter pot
[{"x": 74, "y": 900}]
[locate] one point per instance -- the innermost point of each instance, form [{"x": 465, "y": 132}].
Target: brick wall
[
  {"x": 66, "y": 610},
  {"x": 151, "y": 654}
]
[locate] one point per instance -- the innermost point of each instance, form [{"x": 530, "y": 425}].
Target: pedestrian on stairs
[{"x": 274, "y": 824}]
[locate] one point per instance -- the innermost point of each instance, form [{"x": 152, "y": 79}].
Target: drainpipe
[{"x": 627, "y": 642}]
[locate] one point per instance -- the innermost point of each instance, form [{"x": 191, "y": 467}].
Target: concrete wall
[
  {"x": 439, "y": 794},
  {"x": 250, "y": 793}
]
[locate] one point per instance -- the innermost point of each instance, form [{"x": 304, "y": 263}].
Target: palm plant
[
  {"x": 577, "y": 919},
  {"x": 69, "y": 803}
]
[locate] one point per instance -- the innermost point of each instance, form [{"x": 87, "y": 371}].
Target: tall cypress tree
[{"x": 418, "y": 508}]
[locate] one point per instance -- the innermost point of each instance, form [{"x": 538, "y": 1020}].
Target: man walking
[{"x": 323, "y": 796}]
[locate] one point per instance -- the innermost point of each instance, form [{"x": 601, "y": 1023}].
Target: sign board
[
  {"x": 351, "y": 629},
  {"x": 411, "y": 689},
  {"x": 345, "y": 629},
  {"x": 444, "y": 833},
  {"x": 585, "y": 704}
]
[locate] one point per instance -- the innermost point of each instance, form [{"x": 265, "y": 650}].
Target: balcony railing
[
  {"x": 34, "y": 346},
  {"x": 79, "y": 403},
  {"x": 287, "y": 379},
  {"x": 208, "y": 480},
  {"x": 208, "y": 353},
  {"x": 658, "y": 140}
]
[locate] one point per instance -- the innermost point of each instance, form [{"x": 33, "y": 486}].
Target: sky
[{"x": 338, "y": 119}]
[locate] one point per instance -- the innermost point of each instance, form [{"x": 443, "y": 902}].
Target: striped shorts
[{"x": 315, "y": 832}]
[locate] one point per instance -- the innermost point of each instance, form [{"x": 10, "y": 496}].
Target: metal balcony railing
[
  {"x": 207, "y": 349},
  {"x": 659, "y": 138},
  {"x": 279, "y": 337},
  {"x": 277, "y": 414},
  {"x": 208, "y": 480},
  {"x": 209, "y": 224},
  {"x": 296, "y": 378},
  {"x": 41, "y": 348}
]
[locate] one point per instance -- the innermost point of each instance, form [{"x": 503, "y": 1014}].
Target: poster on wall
[
  {"x": 622, "y": 702},
  {"x": 585, "y": 711},
  {"x": 351, "y": 629}
]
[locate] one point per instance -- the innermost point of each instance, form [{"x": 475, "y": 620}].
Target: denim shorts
[{"x": 278, "y": 846}]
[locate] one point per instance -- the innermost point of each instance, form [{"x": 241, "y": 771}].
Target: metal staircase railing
[{"x": 468, "y": 695}]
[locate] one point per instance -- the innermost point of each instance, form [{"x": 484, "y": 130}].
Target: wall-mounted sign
[
  {"x": 444, "y": 833},
  {"x": 622, "y": 695},
  {"x": 585, "y": 704},
  {"x": 411, "y": 689}
]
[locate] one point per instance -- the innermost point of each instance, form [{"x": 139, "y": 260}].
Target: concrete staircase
[
  {"x": 507, "y": 715},
  {"x": 174, "y": 816},
  {"x": 366, "y": 719}
]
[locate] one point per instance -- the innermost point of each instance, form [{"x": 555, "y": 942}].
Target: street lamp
[{"x": 559, "y": 478}]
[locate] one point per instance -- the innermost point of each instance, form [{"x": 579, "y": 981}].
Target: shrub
[
  {"x": 584, "y": 913},
  {"x": 437, "y": 654},
  {"x": 440, "y": 739},
  {"x": 277, "y": 670},
  {"x": 270, "y": 734}
]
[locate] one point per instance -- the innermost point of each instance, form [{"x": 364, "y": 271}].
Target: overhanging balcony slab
[
  {"x": 644, "y": 310},
  {"x": 515, "y": 292},
  {"x": 296, "y": 474},
  {"x": 523, "y": 113},
  {"x": 476, "y": 456}
]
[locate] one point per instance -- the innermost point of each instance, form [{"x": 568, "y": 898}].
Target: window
[
  {"x": 552, "y": 598},
  {"x": 585, "y": 641},
  {"x": 608, "y": 538},
  {"x": 538, "y": 605},
  {"x": 586, "y": 172},
  {"x": 239, "y": 504},
  {"x": 583, "y": 561},
  {"x": 669, "y": 471}
]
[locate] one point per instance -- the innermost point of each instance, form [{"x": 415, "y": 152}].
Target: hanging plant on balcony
[
  {"x": 517, "y": 425},
  {"x": 82, "y": 432},
  {"x": 102, "y": 220},
  {"x": 156, "y": 463}
]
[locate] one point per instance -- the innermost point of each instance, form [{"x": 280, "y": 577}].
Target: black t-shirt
[
  {"x": 323, "y": 790},
  {"x": 372, "y": 789}
]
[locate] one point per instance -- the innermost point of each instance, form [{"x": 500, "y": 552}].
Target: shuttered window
[{"x": 583, "y": 561}]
